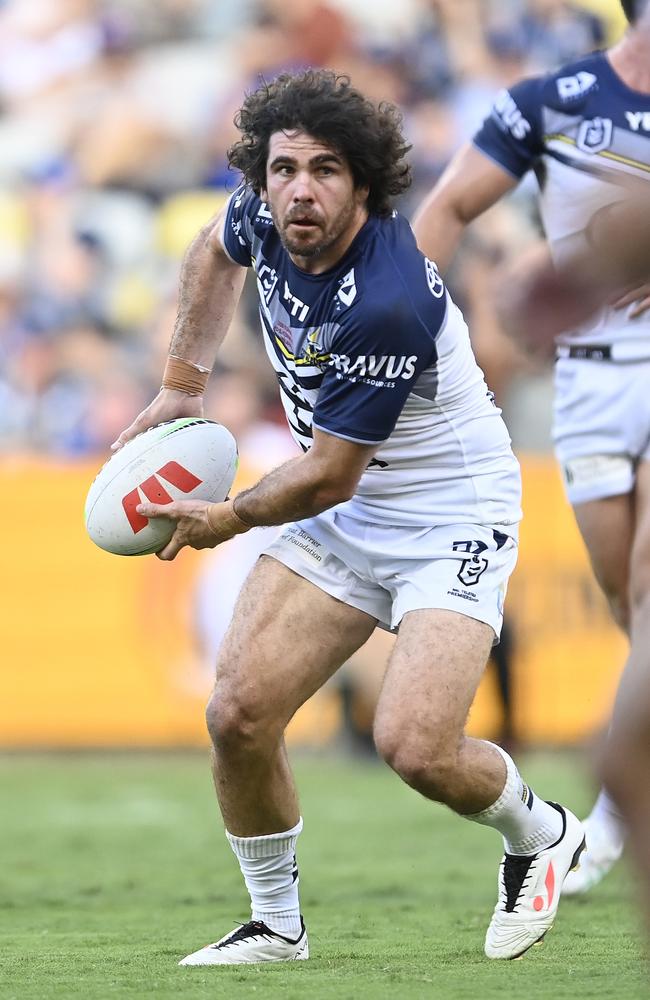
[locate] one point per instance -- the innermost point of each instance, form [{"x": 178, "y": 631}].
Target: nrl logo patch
[
  {"x": 471, "y": 569},
  {"x": 595, "y": 135}
]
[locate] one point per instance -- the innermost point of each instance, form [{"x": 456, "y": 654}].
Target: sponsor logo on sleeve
[
  {"x": 382, "y": 371},
  {"x": 434, "y": 281},
  {"x": 571, "y": 87},
  {"x": 509, "y": 115},
  {"x": 264, "y": 214},
  {"x": 595, "y": 135},
  {"x": 347, "y": 292}
]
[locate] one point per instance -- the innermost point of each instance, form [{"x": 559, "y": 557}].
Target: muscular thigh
[
  {"x": 432, "y": 676},
  {"x": 286, "y": 638},
  {"x": 608, "y": 528}
]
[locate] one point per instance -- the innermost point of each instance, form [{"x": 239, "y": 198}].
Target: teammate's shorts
[
  {"x": 387, "y": 571},
  {"x": 601, "y": 426}
]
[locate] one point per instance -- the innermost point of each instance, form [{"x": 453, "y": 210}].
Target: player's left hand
[
  {"x": 638, "y": 297},
  {"x": 192, "y": 527}
]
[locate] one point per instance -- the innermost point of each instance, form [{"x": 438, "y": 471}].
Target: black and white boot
[{"x": 252, "y": 942}]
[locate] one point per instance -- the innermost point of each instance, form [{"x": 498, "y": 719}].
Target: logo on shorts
[
  {"x": 307, "y": 545},
  {"x": 471, "y": 569}
]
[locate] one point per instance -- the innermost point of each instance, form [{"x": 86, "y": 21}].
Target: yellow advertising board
[{"x": 100, "y": 650}]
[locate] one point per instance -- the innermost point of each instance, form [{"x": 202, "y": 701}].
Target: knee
[
  {"x": 238, "y": 722},
  {"x": 427, "y": 766}
]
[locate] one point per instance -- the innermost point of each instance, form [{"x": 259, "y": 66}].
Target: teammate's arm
[
  {"x": 470, "y": 185},
  {"x": 326, "y": 475},
  {"x": 210, "y": 287}
]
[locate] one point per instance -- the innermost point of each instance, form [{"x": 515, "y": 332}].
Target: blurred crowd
[{"x": 115, "y": 119}]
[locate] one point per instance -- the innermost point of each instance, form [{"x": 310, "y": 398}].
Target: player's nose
[{"x": 302, "y": 188}]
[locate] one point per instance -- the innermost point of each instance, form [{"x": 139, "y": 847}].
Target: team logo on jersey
[
  {"x": 267, "y": 280},
  {"x": 571, "y": 87},
  {"x": 638, "y": 120},
  {"x": 347, "y": 292},
  {"x": 595, "y": 135},
  {"x": 471, "y": 569},
  {"x": 434, "y": 281},
  {"x": 509, "y": 116},
  {"x": 313, "y": 351}
]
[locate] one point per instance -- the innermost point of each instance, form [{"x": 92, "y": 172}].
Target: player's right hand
[
  {"x": 638, "y": 297},
  {"x": 169, "y": 404}
]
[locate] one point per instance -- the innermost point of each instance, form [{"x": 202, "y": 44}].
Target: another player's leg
[
  {"x": 607, "y": 527},
  {"x": 429, "y": 687},
  {"x": 286, "y": 639},
  {"x": 626, "y": 760},
  {"x": 625, "y": 763}
]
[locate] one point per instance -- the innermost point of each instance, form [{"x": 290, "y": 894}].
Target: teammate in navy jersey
[
  {"x": 585, "y": 132},
  {"x": 402, "y": 511}
]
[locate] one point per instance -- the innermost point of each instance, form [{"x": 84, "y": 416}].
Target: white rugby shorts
[
  {"x": 388, "y": 570},
  {"x": 601, "y": 425}
]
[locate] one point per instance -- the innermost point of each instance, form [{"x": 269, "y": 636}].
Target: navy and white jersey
[
  {"x": 587, "y": 137},
  {"x": 373, "y": 351}
]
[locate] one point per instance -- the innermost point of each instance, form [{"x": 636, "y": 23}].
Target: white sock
[
  {"x": 269, "y": 868},
  {"x": 607, "y": 817},
  {"x": 527, "y": 823}
]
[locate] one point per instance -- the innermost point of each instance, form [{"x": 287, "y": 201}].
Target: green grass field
[{"x": 115, "y": 866}]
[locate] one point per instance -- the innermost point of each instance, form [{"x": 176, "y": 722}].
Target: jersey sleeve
[
  {"x": 238, "y": 229},
  {"x": 512, "y": 134},
  {"x": 373, "y": 366}
]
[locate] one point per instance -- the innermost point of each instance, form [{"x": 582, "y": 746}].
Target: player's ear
[{"x": 362, "y": 193}]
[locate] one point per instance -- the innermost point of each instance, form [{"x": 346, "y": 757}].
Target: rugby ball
[{"x": 185, "y": 459}]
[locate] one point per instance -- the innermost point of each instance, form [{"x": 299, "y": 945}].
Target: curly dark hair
[
  {"x": 327, "y": 107},
  {"x": 632, "y": 9}
]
